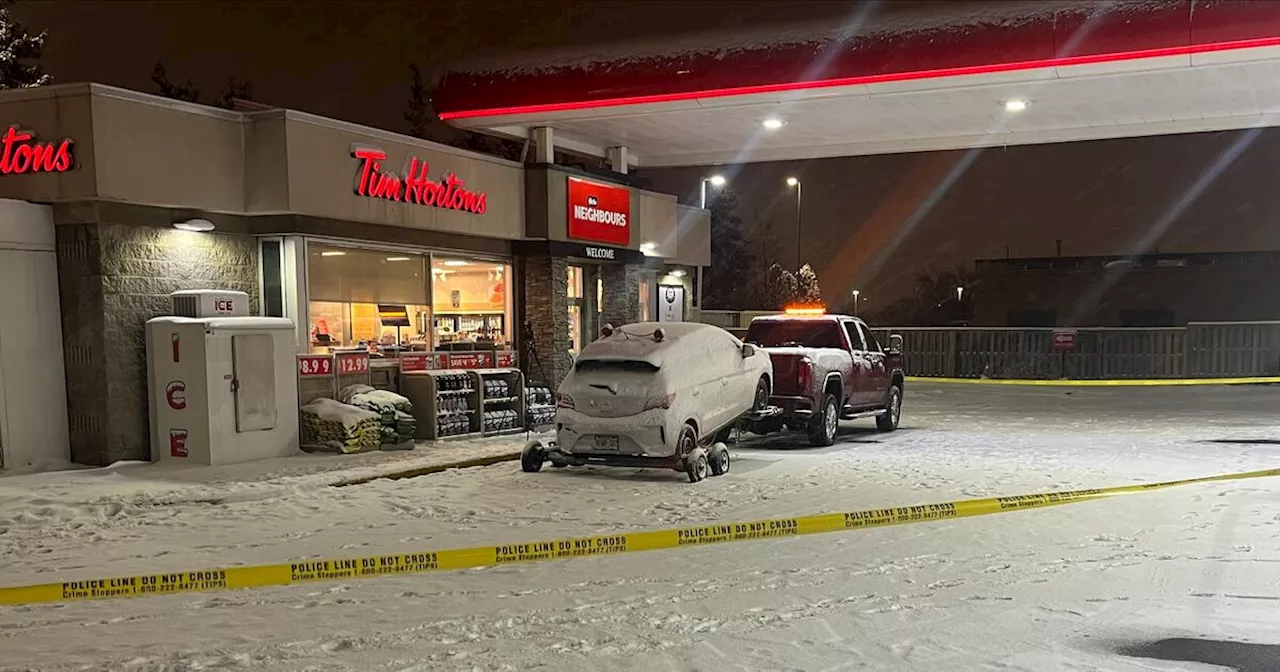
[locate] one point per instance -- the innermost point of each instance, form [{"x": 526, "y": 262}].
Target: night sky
[{"x": 865, "y": 222}]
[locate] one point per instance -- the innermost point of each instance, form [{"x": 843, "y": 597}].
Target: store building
[{"x": 366, "y": 239}]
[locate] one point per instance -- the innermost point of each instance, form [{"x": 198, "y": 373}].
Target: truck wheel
[
  {"x": 532, "y": 457},
  {"x": 696, "y": 465},
  {"x": 718, "y": 457},
  {"x": 822, "y": 429},
  {"x": 888, "y": 421}
]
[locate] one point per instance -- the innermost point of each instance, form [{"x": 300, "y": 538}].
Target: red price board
[
  {"x": 416, "y": 361},
  {"x": 314, "y": 366},
  {"x": 506, "y": 360},
  {"x": 469, "y": 360},
  {"x": 352, "y": 363}
]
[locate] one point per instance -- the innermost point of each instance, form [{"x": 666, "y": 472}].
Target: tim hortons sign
[{"x": 449, "y": 192}]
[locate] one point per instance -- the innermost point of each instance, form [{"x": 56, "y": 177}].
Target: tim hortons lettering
[
  {"x": 23, "y": 155},
  {"x": 415, "y": 187}
]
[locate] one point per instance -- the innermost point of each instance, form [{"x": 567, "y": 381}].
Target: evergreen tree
[
  {"x": 19, "y": 53},
  {"x": 419, "y": 114},
  {"x": 783, "y": 288},
  {"x": 236, "y": 89},
  {"x": 807, "y": 285},
  {"x": 168, "y": 89}
]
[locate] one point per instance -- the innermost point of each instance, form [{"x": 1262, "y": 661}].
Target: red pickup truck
[{"x": 827, "y": 368}]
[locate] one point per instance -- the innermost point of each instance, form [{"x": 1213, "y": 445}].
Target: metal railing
[{"x": 1198, "y": 350}]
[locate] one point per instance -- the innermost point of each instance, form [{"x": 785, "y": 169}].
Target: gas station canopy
[{"x": 985, "y": 74}]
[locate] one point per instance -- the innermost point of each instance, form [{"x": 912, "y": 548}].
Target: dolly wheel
[
  {"x": 696, "y": 465},
  {"x": 718, "y": 458},
  {"x": 532, "y": 457}
]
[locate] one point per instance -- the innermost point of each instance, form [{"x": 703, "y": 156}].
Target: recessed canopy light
[
  {"x": 1015, "y": 105},
  {"x": 333, "y": 253},
  {"x": 772, "y": 124},
  {"x": 197, "y": 225},
  {"x": 455, "y": 263},
  {"x": 398, "y": 258}
]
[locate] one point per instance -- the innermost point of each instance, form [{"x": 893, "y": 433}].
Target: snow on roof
[
  {"x": 921, "y": 18},
  {"x": 635, "y": 341}
]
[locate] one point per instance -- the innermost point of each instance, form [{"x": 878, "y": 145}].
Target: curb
[
  {"x": 1136, "y": 382},
  {"x": 431, "y": 469}
]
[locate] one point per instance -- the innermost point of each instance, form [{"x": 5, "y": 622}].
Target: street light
[
  {"x": 716, "y": 181},
  {"x": 795, "y": 183},
  {"x": 855, "y": 302},
  {"x": 960, "y": 294}
]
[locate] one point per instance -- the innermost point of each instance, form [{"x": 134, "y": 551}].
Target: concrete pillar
[
  {"x": 618, "y": 159},
  {"x": 544, "y": 145},
  {"x": 546, "y": 307}
]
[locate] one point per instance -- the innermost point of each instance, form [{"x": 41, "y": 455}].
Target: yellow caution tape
[
  {"x": 362, "y": 567},
  {"x": 1117, "y": 382}
]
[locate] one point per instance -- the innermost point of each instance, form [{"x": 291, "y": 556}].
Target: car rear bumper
[
  {"x": 793, "y": 406},
  {"x": 645, "y": 435}
]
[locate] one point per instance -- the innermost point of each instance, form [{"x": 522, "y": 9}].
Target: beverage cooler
[{"x": 222, "y": 384}]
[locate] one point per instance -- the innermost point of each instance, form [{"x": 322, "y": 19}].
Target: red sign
[
  {"x": 415, "y": 361},
  {"x": 1064, "y": 339},
  {"x": 415, "y": 187},
  {"x": 352, "y": 362},
  {"x": 22, "y": 154},
  {"x": 177, "y": 443},
  {"x": 315, "y": 365},
  {"x": 506, "y": 360},
  {"x": 599, "y": 212},
  {"x": 176, "y": 394},
  {"x": 468, "y": 360}
]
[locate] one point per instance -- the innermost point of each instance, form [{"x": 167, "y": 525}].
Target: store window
[
  {"x": 389, "y": 301},
  {"x": 470, "y": 301}
]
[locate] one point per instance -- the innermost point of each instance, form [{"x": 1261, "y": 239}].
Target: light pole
[
  {"x": 855, "y": 302},
  {"x": 795, "y": 182},
  {"x": 959, "y": 294},
  {"x": 716, "y": 181}
]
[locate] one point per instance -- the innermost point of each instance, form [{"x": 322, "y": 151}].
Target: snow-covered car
[{"x": 656, "y": 395}]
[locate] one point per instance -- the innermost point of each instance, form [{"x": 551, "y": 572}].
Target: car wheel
[
  {"x": 718, "y": 459},
  {"x": 532, "y": 457},
  {"x": 696, "y": 465},
  {"x": 762, "y": 395},
  {"x": 822, "y": 431},
  {"x": 888, "y": 421}
]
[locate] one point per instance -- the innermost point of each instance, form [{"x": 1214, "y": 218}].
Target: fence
[{"x": 1198, "y": 350}]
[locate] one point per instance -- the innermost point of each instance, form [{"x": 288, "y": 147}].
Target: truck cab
[{"x": 826, "y": 368}]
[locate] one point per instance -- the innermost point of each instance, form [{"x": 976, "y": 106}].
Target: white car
[{"x": 652, "y": 395}]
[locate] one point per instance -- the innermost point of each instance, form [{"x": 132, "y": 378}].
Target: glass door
[{"x": 577, "y": 308}]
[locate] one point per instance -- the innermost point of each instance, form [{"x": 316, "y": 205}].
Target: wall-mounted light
[
  {"x": 678, "y": 273},
  {"x": 648, "y": 248},
  {"x": 196, "y": 225}
]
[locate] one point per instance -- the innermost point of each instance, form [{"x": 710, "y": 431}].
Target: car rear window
[
  {"x": 624, "y": 365},
  {"x": 794, "y": 333}
]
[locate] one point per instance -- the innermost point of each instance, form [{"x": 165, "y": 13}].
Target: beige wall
[
  {"x": 53, "y": 113},
  {"x": 322, "y": 176},
  {"x": 693, "y": 235}
]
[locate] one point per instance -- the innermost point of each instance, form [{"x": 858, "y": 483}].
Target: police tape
[
  {"x": 361, "y": 567},
  {"x": 1114, "y": 382}
]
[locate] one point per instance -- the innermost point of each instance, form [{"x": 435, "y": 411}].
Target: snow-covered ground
[{"x": 1069, "y": 588}]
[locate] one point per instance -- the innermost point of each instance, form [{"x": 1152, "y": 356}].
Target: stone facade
[
  {"x": 546, "y": 344},
  {"x": 112, "y": 279},
  {"x": 621, "y": 300}
]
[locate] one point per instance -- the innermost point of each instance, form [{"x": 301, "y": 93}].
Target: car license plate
[{"x": 607, "y": 443}]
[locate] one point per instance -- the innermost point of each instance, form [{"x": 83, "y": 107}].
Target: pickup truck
[{"x": 827, "y": 368}]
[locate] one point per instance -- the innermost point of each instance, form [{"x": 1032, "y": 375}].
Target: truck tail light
[
  {"x": 663, "y": 402},
  {"x": 804, "y": 373},
  {"x": 563, "y": 400}
]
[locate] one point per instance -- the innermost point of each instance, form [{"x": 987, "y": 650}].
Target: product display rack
[
  {"x": 501, "y": 400},
  {"x": 446, "y": 403},
  {"x": 539, "y": 406}
]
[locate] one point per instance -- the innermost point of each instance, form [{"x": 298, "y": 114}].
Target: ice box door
[{"x": 254, "y": 367}]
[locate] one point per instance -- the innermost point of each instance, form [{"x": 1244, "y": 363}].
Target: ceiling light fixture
[
  {"x": 678, "y": 273},
  {"x": 333, "y": 253},
  {"x": 455, "y": 263},
  {"x": 196, "y": 225},
  {"x": 398, "y": 258},
  {"x": 1015, "y": 105},
  {"x": 772, "y": 124}
]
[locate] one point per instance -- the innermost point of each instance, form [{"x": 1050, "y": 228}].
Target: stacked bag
[
  {"x": 333, "y": 424},
  {"x": 397, "y": 425}
]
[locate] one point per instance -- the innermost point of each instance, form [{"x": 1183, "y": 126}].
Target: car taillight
[
  {"x": 805, "y": 373},
  {"x": 563, "y": 400},
  {"x": 663, "y": 402}
]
